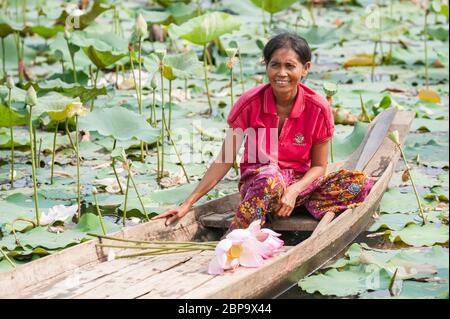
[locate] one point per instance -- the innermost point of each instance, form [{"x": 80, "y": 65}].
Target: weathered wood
[
  {"x": 65, "y": 262},
  {"x": 326, "y": 219}
]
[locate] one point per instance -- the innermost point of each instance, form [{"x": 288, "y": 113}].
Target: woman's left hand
[{"x": 287, "y": 203}]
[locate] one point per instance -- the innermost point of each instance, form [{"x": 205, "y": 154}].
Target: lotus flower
[
  {"x": 272, "y": 244},
  {"x": 245, "y": 247},
  {"x": 58, "y": 213}
]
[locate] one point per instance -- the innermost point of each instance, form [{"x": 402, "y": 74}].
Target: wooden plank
[
  {"x": 326, "y": 219},
  {"x": 178, "y": 281},
  {"x": 121, "y": 284},
  {"x": 217, "y": 220},
  {"x": 78, "y": 277}
]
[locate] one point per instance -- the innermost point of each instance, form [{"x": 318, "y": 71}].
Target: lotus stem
[
  {"x": 126, "y": 201},
  {"x": 24, "y": 12},
  {"x": 372, "y": 74},
  {"x": 137, "y": 193},
  {"x": 154, "y": 108},
  {"x": 100, "y": 216},
  {"x": 20, "y": 65},
  {"x": 95, "y": 86},
  {"x": 7, "y": 258},
  {"x": 425, "y": 34},
  {"x": 200, "y": 246},
  {"x": 113, "y": 165},
  {"x": 13, "y": 228},
  {"x": 311, "y": 12},
  {"x": 140, "y": 91},
  {"x": 162, "y": 252},
  {"x": 185, "y": 89},
  {"x": 117, "y": 76},
  {"x": 53, "y": 153},
  {"x": 421, "y": 211},
  {"x": 271, "y": 21},
  {"x": 33, "y": 166},
  {"x": 178, "y": 155},
  {"x": 163, "y": 120},
  {"x": 391, "y": 7},
  {"x": 3, "y": 58},
  {"x": 241, "y": 70},
  {"x": 205, "y": 65},
  {"x": 231, "y": 86},
  {"x": 35, "y": 146},
  {"x": 72, "y": 58},
  {"x": 170, "y": 103},
  {"x": 157, "y": 242},
  {"x": 157, "y": 160},
  {"x": 11, "y": 132},
  {"x": 78, "y": 168}
]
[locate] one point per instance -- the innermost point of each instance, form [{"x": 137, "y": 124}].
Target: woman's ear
[{"x": 306, "y": 68}]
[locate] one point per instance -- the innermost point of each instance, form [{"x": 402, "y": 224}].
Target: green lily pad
[
  {"x": 41, "y": 237},
  {"x": 206, "y": 28},
  {"x": 395, "y": 202},
  {"x": 351, "y": 282},
  {"x": 102, "y": 49},
  {"x": 119, "y": 123},
  {"x": 182, "y": 66},
  {"x": 173, "y": 196},
  {"x": 393, "y": 221},
  {"x": 88, "y": 17},
  {"x": 10, "y": 117},
  {"x": 417, "y": 236},
  {"x": 85, "y": 93},
  {"x": 433, "y": 153},
  {"x": 345, "y": 146},
  {"x": 273, "y": 6}
]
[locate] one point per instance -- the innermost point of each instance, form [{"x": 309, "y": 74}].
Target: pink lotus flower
[
  {"x": 245, "y": 247},
  {"x": 272, "y": 244}
]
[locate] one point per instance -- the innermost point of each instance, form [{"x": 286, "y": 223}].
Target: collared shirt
[{"x": 310, "y": 122}]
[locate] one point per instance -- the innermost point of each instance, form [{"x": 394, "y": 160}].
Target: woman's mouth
[{"x": 282, "y": 82}]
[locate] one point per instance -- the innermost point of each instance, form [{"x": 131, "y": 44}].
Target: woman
[{"x": 290, "y": 125}]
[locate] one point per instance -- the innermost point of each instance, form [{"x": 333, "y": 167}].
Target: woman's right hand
[{"x": 173, "y": 214}]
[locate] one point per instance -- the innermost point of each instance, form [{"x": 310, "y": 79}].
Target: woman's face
[{"x": 285, "y": 70}]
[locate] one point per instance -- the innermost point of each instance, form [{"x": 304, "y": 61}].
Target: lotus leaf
[{"x": 119, "y": 123}]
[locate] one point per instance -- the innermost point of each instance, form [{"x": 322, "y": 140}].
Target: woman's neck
[{"x": 285, "y": 100}]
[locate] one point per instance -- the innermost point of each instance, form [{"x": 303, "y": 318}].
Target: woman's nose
[{"x": 282, "y": 72}]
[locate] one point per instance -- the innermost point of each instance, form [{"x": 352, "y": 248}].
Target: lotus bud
[
  {"x": 153, "y": 83},
  {"x": 31, "y": 98},
  {"x": 330, "y": 89},
  {"x": 231, "y": 52},
  {"x": 161, "y": 53},
  {"x": 394, "y": 137},
  {"x": 94, "y": 190},
  {"x": 67, "y": 35},
  {"x": 10, "y": 82},
  {"x": 141, "y": 26}
]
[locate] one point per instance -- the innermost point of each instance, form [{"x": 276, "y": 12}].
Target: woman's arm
[
  {"x": 319, "y": 161},
  {"x": 218, "y": 169}
]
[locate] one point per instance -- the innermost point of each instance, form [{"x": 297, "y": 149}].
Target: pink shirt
[{"x": 310, "y": 122}]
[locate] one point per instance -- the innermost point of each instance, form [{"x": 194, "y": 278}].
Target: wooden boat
[{"x": 83, "y": 271}]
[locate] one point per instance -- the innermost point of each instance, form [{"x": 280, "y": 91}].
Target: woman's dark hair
[{"x": 288, "y": 40}]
